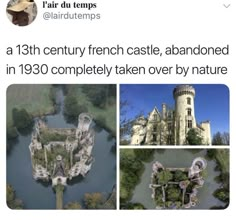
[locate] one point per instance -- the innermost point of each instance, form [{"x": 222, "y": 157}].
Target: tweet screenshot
[{"x": 117, "y": 109}]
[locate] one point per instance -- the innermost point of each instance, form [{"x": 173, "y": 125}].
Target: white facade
[{"x": 170, "y": 126}]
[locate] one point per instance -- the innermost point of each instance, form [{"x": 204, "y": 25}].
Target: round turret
[
  {"x": 184, "y": 110},
  {"x": 183, "y": 90}
]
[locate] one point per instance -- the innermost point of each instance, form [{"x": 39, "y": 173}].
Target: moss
[{"x": 47, "y": 136}]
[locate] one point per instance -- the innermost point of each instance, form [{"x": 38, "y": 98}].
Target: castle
[
  {"x": 58, "y": 154},
  {"x": 170, "y": 127},
  {"x": 177, "y": 187}
]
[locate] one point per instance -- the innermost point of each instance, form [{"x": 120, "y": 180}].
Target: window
[
  {"x": 169, "y": 126},
  {"x": 189, "y": 111},
  {"x": 189, "y": 101},
  {"x": 154, "y": 128},
  {"x": 155, "y": 117},
  {"x": 154, "y": 137},
  {"x": 190, "y": 124},
  {"x": 169, "y": 139}
]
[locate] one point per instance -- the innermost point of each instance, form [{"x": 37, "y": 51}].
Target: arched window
[
  {"x": 189, "y": 111},
  {"x": 189, "y": 101}
]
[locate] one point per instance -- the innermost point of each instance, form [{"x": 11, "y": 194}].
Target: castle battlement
[{"x": 184, "y": 90}]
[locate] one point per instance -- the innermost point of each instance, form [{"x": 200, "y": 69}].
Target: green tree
[
  {"x": 100, "y": 95},
  {"x": 130, "y": 205},
  {"x": 143, "y": 154},
  {"x": 129, "y": 180},
  {"x": 101, "y": 121},
  {"x": 12, "y": 201},
  {"x": 11, "y": 132},
  {"x": 129, "y": 163},
  {"x": 164, "y": 177},
  {"x": 193, "y": 137},
  {"x": 211, "y": 153},
  {"x": 71, "y": 107},
  {"x": 222, "y": 194},
  {"x": 21, "y": 118},
  {"x": 173, "y": 194},
  {"x": 180, "y": 176},
  {"x": 93, "y": 200}
]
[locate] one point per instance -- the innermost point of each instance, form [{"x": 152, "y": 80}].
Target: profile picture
[{"x": 21, "y": 12}]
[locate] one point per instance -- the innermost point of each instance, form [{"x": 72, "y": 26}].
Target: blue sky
[{"x": 211, "y": 101}]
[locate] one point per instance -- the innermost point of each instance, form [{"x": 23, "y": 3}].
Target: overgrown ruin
[
  {"x": 58, "y": 154},
  {"x": 175, "y": 188}
]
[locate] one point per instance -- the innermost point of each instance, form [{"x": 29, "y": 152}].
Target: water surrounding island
[
  {"x": 179, "y": 158},
  {"x": 38, "y": 195}
]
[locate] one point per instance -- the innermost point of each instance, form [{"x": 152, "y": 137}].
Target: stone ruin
[
  {"x": 177, "y": 187},
  {"x": 58, "y": 154}
]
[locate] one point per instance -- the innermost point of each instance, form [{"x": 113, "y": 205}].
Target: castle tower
[
  {"x": 164, "y": 111},
  {"x": 184, "y": 111},
  {"x": 207, "y": 132},
  {"x": 139, "y": 131}
]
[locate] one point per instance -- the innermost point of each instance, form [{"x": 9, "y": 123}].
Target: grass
[
  {"x": 109, "y": 113},
  {"x": 34, "y": 98}
]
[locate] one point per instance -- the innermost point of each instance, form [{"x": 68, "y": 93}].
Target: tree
[
  {"x": 73, "y": 205},
  {"x": 93, "y": 200},
  {"x": 129, "y": 163},
  {"x": 180, "y": 176},
  {"x": 220, "y": 138},
  {"x": 129, "y": 180},
  {"x": 100, "y": 95},
  {"x": 164, "y": 177},
  {"x": 101, "y": 121},
  {"x": 211, "y": 153},
  {"x": 71, "y": 107},
  {"x": 143, "y": 154},
  {"x": 130, "y": 205},
  {"x": 11, "y": 132},
  {"x": 173, "y": 194},
  {"x": 193, "y": 137},
  {"x": 12, "y": 201},
  {"x": 125, "y": 123},
  {"x": 222, "y": 194},
  {"x": 225, "y": 137},
  {"x": 21, "y": 118}
]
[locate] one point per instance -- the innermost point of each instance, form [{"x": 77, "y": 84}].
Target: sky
[{"x": 211, "y": 102}]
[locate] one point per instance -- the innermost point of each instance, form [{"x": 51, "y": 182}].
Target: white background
[{"x": 128, "y": 23}]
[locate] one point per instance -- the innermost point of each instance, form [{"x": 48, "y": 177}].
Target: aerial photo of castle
[
  {"x": 177, "y": 187},
  {"x": 61, "y": 146},
  {"x": 58, "y": 153}
]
